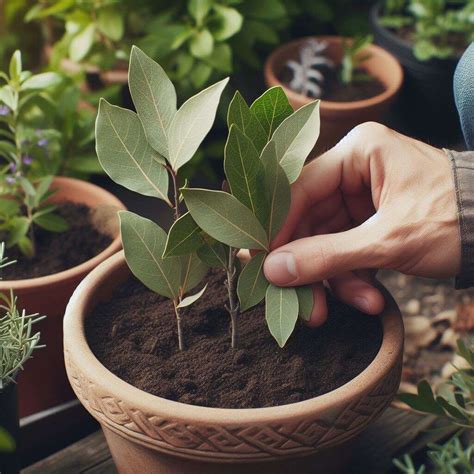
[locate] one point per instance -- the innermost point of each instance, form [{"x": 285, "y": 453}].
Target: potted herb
[
  {"x": 428, "y": 38},
  {"x": 169, "y": 344},
  {"x": 57, "y": 228},
  {"x": 355, "y": 80},
  {"x": 17, "y": 343}
]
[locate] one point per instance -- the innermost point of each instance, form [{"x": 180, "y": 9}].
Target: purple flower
[
  {"x": 4, "y": 110},
  {"x": 13, "y": 167},
  {"x": 27, "y": 160},
  {"x": 43, "y": 142},
  {"x": 10, "y": 179}
]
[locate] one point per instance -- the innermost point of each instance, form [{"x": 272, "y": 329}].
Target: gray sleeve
[{"x": 463, "y": 171}]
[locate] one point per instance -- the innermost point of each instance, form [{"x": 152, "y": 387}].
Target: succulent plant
[{"x": 307, "y": 79}]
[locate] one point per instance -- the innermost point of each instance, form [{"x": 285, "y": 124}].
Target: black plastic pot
[
  {"x": 9, "y": 462},
  {"x": 425, "y": 107}
]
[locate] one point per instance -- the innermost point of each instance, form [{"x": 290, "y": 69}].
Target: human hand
[{"x": 378, "y": 199}]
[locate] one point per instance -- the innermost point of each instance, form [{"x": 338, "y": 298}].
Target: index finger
[{"x": 318, "y": 180}]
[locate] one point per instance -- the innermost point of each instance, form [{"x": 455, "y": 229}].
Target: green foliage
[
  {"x": 439, "y": 27},
  {"x": 259, "y": 199},
  {"x": 455, "y": 399},
  {"x": 7, "y": 443},
  {"x": 448, "y": 458},
  {"x": 353, "y": 57},
  {"x": 142, "y": 151}
]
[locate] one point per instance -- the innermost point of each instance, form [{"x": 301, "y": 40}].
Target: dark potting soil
[
  {"x": 56, "y": 252},
  {"x": 334, "y": 90},
  {"x": 134, "y": 336}
]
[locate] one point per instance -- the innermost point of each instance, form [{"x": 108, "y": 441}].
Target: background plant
[
  {"x": 144, "y": 152},
  {"x": 440, "y": 28},
  {"x": 353, "y": 58},
  {"x": 454, "y": 401},
  {"x": 265, "y": 152},
  {"x": 17, "y": 340}
]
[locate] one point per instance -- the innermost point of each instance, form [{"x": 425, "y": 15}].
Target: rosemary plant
[{"x": 17, "y": 340}]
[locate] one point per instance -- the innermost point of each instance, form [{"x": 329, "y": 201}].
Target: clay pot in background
[
  {"x": 147, "y": 433},
  {"x": 43, "y": 384},
  {"x": 425, "y": 107},
  {"x": 337, "y": 118}
]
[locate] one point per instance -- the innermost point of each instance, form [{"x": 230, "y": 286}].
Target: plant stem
[
  {"x": 29, "y": 211},
  {"x": 231, "y": 283},
  {"x": 174, "y": 178},
  {"x": 179, "y": 325}
]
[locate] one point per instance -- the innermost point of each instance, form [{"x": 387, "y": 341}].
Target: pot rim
[
  {"x": 83, "y": 187},
  {"x": 380, "y": 53},
  {"x": 79, "y": 354}
]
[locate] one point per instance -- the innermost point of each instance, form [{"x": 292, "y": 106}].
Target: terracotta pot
[
  {"x": 44, "y": 383},
  {"x": 337, "y": 118},
  {"x": 151, "y": 434}
]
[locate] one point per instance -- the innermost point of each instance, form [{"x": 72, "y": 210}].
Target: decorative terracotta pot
[
  {"x": 147, "y": 433},
  {"x": 44, "y": 383},
  {"x": 337, "y": 118}
]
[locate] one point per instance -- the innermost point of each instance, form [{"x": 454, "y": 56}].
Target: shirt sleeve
[{"x": 463, "y": 171}]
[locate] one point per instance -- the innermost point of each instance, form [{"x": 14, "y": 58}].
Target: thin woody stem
[
  {"x": 179, "y": 325},
  {"x": 231, "y": 283},
  {"x": 174, "y": 178}
]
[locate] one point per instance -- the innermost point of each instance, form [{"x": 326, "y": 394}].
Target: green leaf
[
  {"x": 26, "y": 246},
  {"x": 27, "y": 187},
  {"x": 189, "y": 300},
  {"x": 183, "y": 237},
  {"x": 201, "y": 44},
  {"x": 110, "y": 22},
  {"x": 227, "y": 23},
  {"x": 42, "y": 81},
  {"x": 51, "y": 222},
  {"x": 278, "y": 190},
  {"x": 214, "y": 253},
  {"x": 9, "y": 207},
  {"x": 201, "y": 74},
  {"x": 305, "y": 301},
  {"x": 7, "y": 443},
  {"x": 154, "y": 97},
  {"x": 18, "y": 228},
  {"x": 281, "y": 312},
  {"x": 245, "y": 172},
  {"x": 225, "y": 218},
  {"x": 143, "y": 243},
  {"x": 193, "y": 270},
  {"x": 239, "y": 114},
  {"x": 295, "y": 137},
  {"x": 252, "y": 283},
  {"x": 15, "y": 66},
  {"x": 452, "y": 410},
  {"x": 220, "y": 58},
  {"x": 191, "y": 124},
  {"x": 42, "y": 188},
  {"x": 82, "y": 43},
  {"x": 8, "y": 97},
  {"x": 199, "y": 9},
  {"x": 125, "y": 154},
  {"x": 271, "y": 108}
]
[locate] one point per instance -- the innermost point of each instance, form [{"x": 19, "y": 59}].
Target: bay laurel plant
[
  {"x": 144, "y": 152},
  {"x": 264, "y": 154}
]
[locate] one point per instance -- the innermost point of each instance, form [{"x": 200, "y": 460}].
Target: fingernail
[
  {"x": 362, "y": 303},
  {"x": 280, "y": 267}
]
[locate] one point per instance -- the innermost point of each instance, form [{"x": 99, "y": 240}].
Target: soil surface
[
  {"x": 56, "y": 252},
  {"x": 360, "y": 89},
  {"x": 334, "y": 90},
  {"x": 134, "y": 336}
]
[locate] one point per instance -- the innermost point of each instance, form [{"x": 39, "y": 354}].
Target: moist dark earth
[
  {"x": 134, "y": 335},
  {"x": 56, "y": 252},
  {"x": 334, "y": 90}
]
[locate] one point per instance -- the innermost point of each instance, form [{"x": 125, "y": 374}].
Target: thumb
[{"x": 320, "y": 257}]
